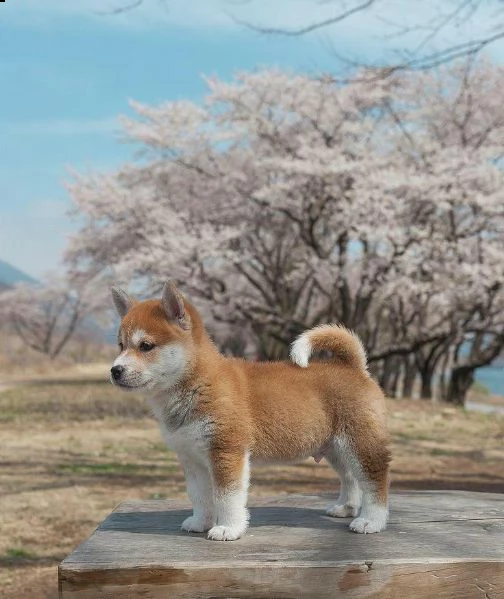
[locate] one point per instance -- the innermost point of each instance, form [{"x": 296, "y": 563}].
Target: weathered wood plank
[
  {"x": 467, "y": 580},
  {"x": 439, "y": 544}
]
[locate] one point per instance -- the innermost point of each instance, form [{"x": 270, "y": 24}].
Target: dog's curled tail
[{"x": 344, "y": 344}]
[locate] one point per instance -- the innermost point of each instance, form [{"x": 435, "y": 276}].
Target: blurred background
[{"x": 288, "y": 164}]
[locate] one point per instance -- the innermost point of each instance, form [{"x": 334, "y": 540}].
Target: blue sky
[{"x": 67, "y": 72}]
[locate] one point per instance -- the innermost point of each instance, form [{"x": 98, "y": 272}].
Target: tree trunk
[
  {"x": 426, "y": 375},
  {"x": 460, "y": 382},
  {"x": 426, "y": 361},
  {"x": 386, "y": 374},
  {"x": 394, "y": 381},
  {"x": 443, "y": 374},
  {"x": 410, "y": 372}
]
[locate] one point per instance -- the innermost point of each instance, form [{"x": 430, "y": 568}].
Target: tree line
[{"x": 285, "y": 201}]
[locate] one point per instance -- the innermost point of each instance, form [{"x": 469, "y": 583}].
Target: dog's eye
[
  {"x": 121, "y": 346},
  {"x": 146, "y": 346}
]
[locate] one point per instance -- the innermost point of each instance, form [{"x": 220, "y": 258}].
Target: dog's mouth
[{"x": 130, "y": 386}]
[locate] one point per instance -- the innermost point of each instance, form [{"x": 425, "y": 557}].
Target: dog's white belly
[
  {"x": 314, "y": 450},
  {"x": 277, "y": 461}
]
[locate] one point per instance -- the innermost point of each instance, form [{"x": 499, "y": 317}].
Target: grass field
[{"x": 70, "y": 452}]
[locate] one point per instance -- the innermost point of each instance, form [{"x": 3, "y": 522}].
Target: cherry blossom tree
[
  {"x": 252, "y": 202},
  {"x": 47, "y": 315},
  {"x": 286, "y": 201},
  {"x": 459, "y": 127}
]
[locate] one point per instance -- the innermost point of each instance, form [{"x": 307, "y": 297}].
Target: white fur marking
[
  {"x": 169, "y": 366},
  {"x": 189, "y": 439},
  {"x": 373, "y": 517},
  {"x": 162, "y": 374},
  {"x": 349, "y": 500},
  {"x": 231, "y": 510},
  {"x": 350, "y": 496},
  {"x": 199, "y": 489},
  {"x": 137, "y": 336},
  {"x": 122, "y": 360},
  {"x": 172, "y": 357},
  {"x": 134, "y": 377},
  {"x": 356, "y": 489},
  {"x": 191, "y": 443},
  {"x": 301, "y": 350}
]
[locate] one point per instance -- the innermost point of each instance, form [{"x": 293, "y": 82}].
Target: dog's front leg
[
  {"x": 231, "y": 473},
  {"x": 199, "y": 489}
]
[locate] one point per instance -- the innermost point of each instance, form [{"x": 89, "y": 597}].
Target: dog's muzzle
[{"x": 116, "y": 372}]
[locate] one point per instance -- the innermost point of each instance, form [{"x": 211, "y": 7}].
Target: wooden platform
[{"x": 442, "y": 544}]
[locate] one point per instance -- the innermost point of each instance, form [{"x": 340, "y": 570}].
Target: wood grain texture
[{"x": 438, "y": 544}]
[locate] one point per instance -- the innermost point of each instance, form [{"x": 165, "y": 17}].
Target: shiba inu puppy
[{"x": 219, "y": 414}]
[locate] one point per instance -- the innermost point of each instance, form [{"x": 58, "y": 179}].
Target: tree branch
[{"x": 308, "y": 28}]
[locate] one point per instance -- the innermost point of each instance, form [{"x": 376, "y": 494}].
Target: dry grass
[
  {"x": 18, "y": 360},
  {"x": 70, "y": 453}
]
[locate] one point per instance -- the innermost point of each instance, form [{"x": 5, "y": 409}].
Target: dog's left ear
[
  {"x": 173, "y": 305},
  {"x": 122, "y": 301}
]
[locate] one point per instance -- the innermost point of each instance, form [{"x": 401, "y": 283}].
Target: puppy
[{"x": 219, "y": 414}]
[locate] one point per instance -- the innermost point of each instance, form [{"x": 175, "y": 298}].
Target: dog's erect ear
[
  {"x": 122, "y": 301},
  {"x": 173, "y": 305}
]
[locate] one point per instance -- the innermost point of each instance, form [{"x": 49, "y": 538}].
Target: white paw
[
  {"x": 226, "y": 533},
  {"x": 194, "y": 524},
  {"x": 366, "y": 525},
  {"x": 345, "y": 510}
]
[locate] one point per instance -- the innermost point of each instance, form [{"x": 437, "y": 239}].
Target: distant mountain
[{"x": 10, "y": 274}]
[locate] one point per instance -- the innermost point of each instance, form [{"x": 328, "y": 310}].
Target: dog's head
[{"x": 154, "y": 340}]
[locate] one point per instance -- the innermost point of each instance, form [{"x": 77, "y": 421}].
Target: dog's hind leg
[
  {"x": 350, "y": 496},
  {"x": 374, "y": 478},
  {"x": 368, "y": 459}
]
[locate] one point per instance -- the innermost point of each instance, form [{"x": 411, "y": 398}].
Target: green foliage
[{"x": 13, "y": 553}]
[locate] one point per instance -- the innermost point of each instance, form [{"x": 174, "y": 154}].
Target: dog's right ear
[
  {"x": 122, "y": 301},
  {"x": 173, "y": 305}
]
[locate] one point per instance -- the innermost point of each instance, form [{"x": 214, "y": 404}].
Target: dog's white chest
[
  {"x": 180, "y": 432},
  {"x": 190, "y": 439}
]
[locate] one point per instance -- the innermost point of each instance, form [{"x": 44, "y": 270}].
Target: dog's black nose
[{"x": 116, "y": 372}]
